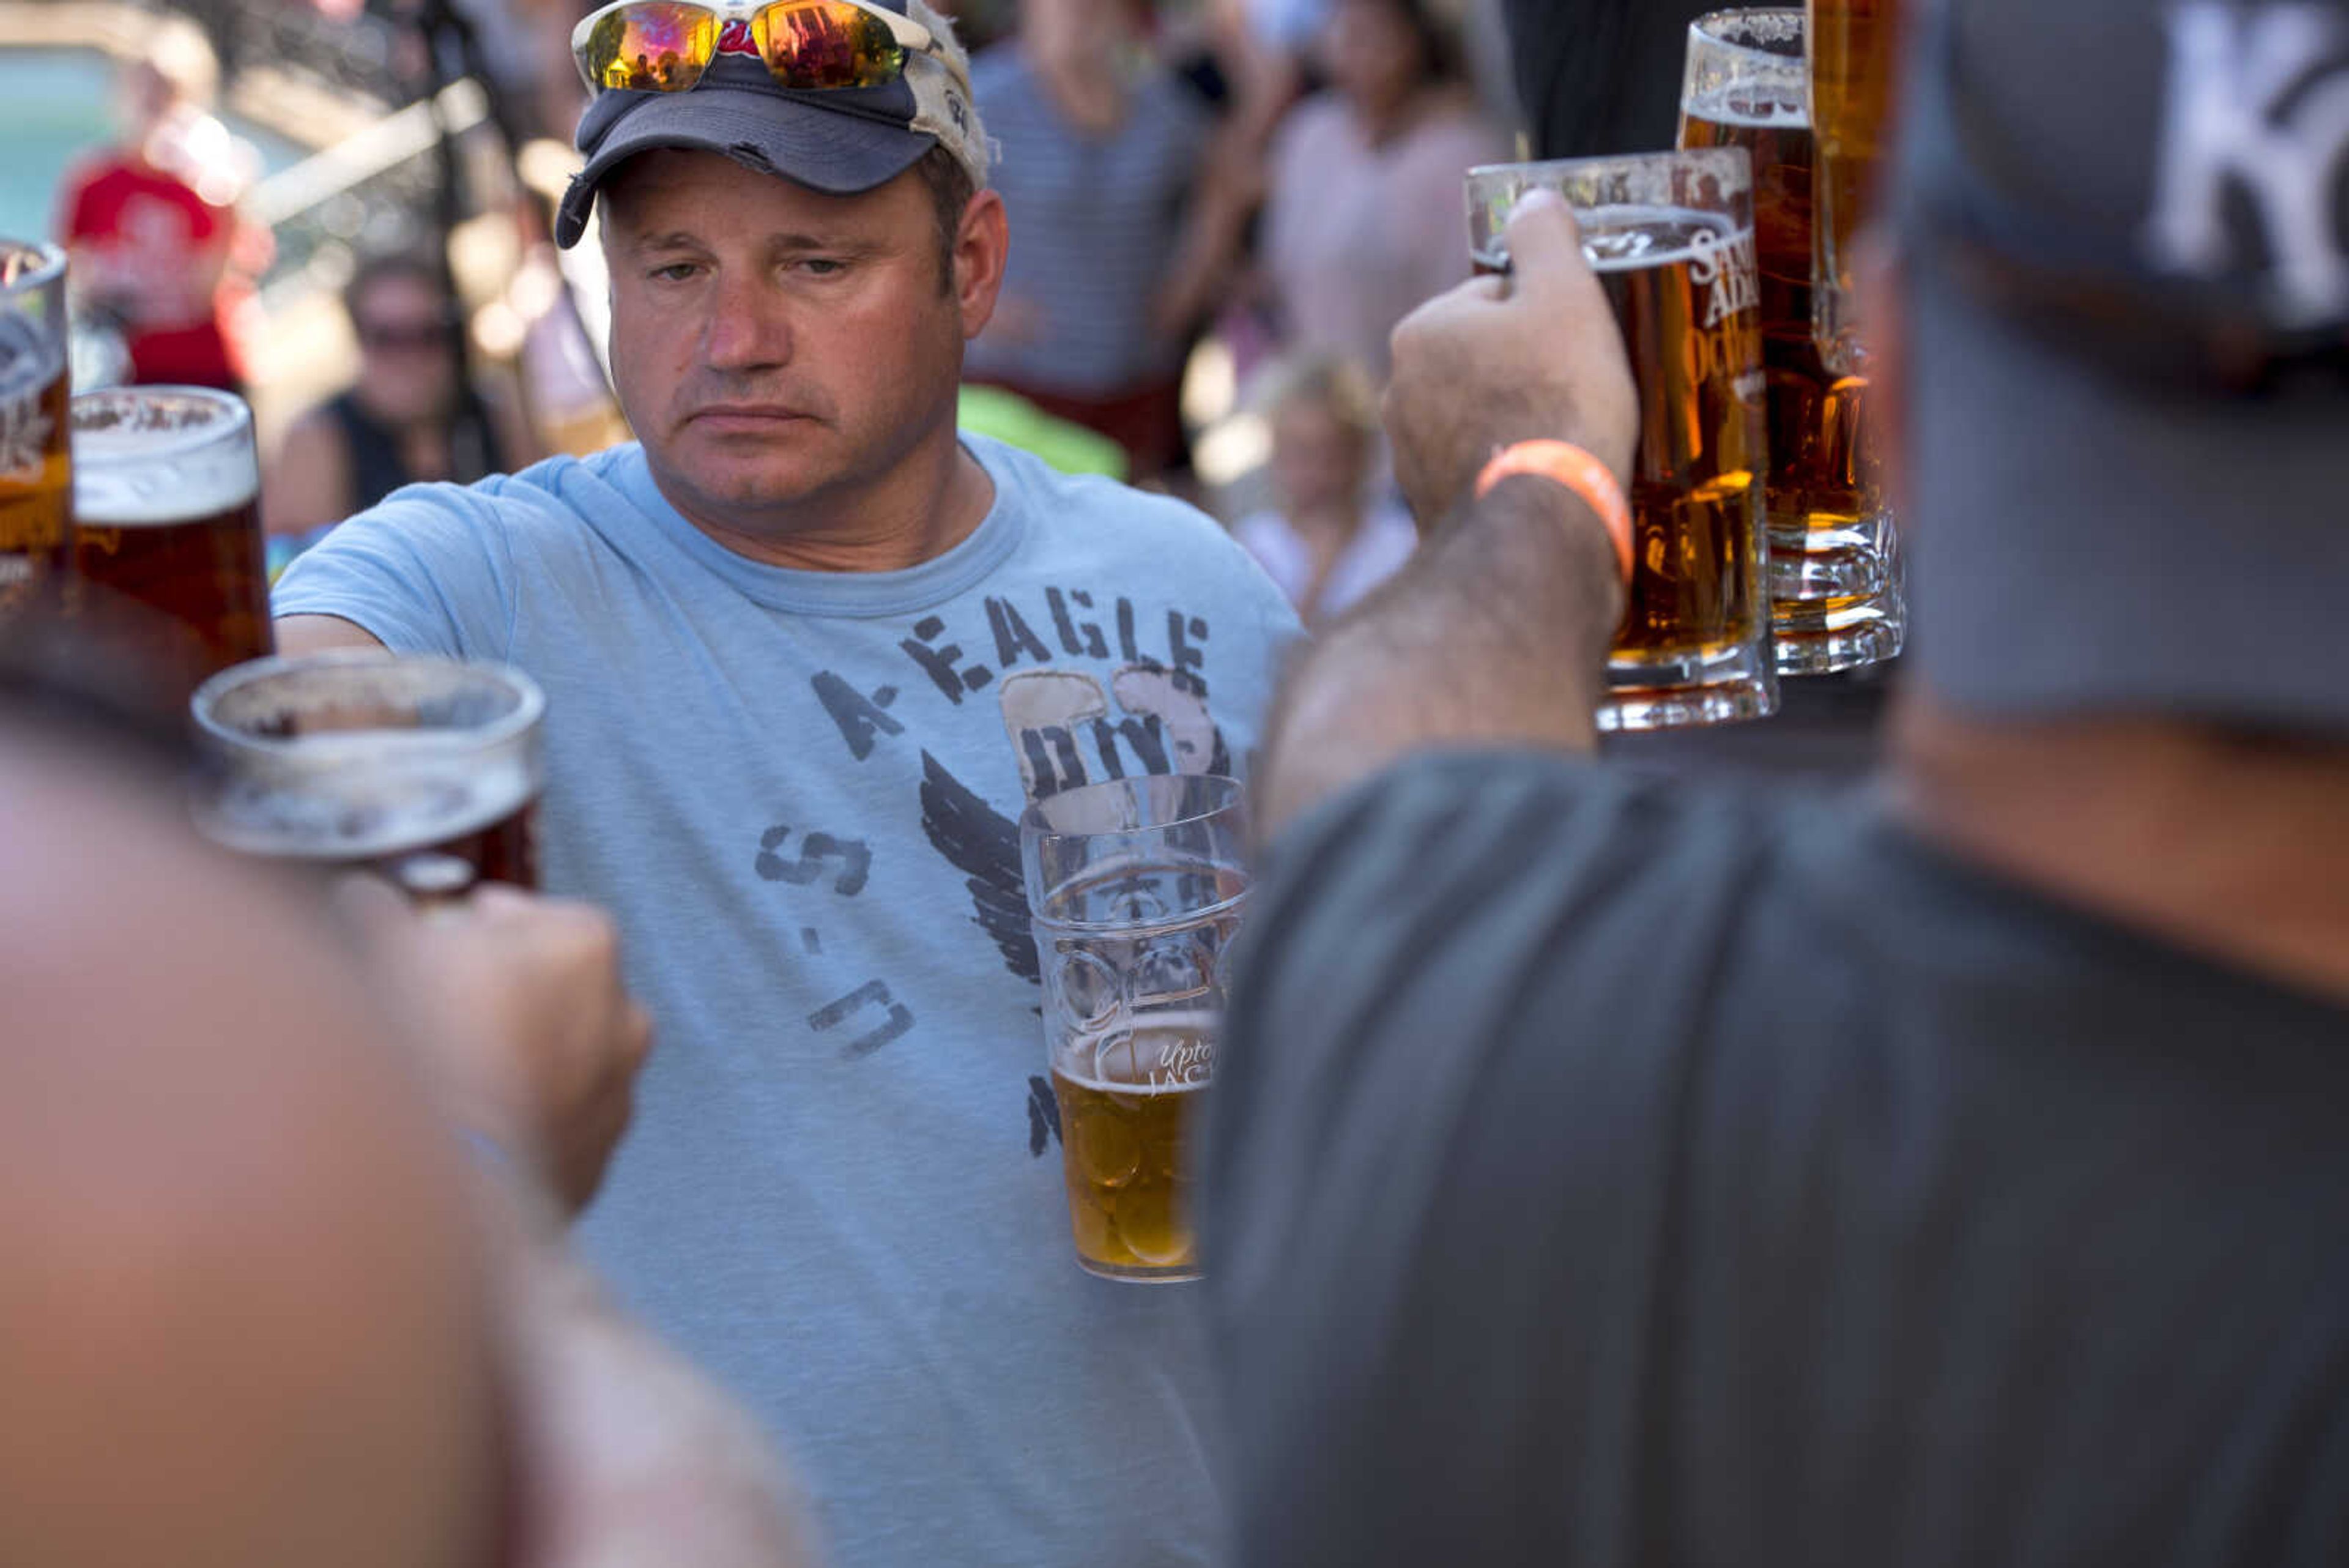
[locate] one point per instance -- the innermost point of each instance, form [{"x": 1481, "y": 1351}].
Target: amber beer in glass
[
  {"x": 425, "y": 770},
  {"x": 36, "y": 471},
  {"x": 1855, "y": 46},
  {"x": 1671, "y": 235},
  {"x": 1134, "y": 889},
  {"x": 167, "y": 530},
  {"x": 1834, "y": 601},
  {"x": 1125, "y": 1149}
]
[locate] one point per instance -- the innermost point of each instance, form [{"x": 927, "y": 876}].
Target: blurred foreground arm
[
  {"x": 628, "y": 1455},
  {"x": 1496, "y": 633}
]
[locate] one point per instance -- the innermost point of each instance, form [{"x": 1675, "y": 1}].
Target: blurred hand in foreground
[{"x": 530, "y": 1030}]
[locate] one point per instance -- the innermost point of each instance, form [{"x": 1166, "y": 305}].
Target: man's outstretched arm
[
  {"x": 299, "y": 634},
  {"x": 1497, "y": 632}
]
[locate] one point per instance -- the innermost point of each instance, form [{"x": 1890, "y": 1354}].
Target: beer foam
[
  {"x": 1629, "y": 239},
  {"x": 368, "y": 803},
  {"x": 1778, "y": 33},
  {"x": 1154, "y": 1053},
  {"x": 1129, "y": 1091},
  {"x": 148, "y": 457},
  {"x": 1743, "y": 109}
]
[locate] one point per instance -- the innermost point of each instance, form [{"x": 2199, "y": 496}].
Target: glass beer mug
[
  {"x": 1671, "y": 235},
  {"x": 36, "y": 473},
  {"x": 1135, "y": 889}
]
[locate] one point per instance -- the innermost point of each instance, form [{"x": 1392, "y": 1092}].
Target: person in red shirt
[{"x": 150, "y": 224}]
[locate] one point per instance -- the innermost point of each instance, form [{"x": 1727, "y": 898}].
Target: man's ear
[{"x": 981, "y": 245}]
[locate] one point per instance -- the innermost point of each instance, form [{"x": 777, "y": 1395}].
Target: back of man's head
[
  {"x": 242, "y": 1316},
  {"x": 2126, "y": 247}
]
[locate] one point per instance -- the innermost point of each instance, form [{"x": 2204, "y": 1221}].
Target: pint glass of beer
[
  {"x": 167, "y": 530},
  {"x": 1855, "y": 46},
  {"x": 35, "y": 479},
  {"x": 1134, "y": 889},
  {"x": 1672, "y": 237},
  {"x": 1833, "y": 604},
  {"x": 425, "y": 770}
]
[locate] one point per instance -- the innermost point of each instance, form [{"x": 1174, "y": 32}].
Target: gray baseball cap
[
  {"x": 2125, "y": 226},
  {"x": 843, "y": 141}
]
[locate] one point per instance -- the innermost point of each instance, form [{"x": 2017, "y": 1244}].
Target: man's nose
[{"x": 749, "y": 326}]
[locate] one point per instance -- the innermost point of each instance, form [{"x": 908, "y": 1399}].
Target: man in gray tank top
[{"x": 1611, "y": 1172}]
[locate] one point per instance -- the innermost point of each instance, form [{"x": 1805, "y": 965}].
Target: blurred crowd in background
[{"x": 1219, "y": 209}]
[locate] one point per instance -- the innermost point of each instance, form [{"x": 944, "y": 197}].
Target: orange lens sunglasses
[{"x": 808, "y": 46}]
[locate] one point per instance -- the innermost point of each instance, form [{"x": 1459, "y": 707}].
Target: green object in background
[{"x": 1013, "y": 420}]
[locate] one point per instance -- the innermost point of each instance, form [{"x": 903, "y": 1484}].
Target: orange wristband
[{"x": 1564, "y": 463}]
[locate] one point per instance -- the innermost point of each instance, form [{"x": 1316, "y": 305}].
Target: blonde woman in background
[{"x": 1331, "y": 535}]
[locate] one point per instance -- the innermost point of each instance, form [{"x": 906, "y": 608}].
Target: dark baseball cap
[
  {"x": 841, "y": 141},
  {"x": 2124, "y": 229}
]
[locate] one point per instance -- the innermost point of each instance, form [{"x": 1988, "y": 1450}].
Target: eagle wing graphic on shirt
[
  {"x": 1056, "y": 720},
  {"x": 982, "y": 844}
]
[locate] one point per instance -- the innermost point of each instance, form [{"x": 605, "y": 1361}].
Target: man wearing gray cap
[
  {"x": 808, "y": 656},
  {"x": 1607, "y": 1171}
]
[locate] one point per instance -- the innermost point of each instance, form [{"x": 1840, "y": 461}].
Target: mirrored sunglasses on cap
[{"x": 808, "y": 46}]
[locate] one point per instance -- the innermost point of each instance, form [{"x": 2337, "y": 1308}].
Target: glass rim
[
  {"x": 50, "y": 269},
  {"x": 1031, "y": 817},
  {"x": 530, "y": 706},
  {"x": 162, "y": 444},
  {"x": 1040, "y": 844},
  {"x": 1062, "y": 925},
  {"x": 1721, "y": 69},
  {"x": 1731, "y": 162},
  {"x": 1706, "y": 26}
]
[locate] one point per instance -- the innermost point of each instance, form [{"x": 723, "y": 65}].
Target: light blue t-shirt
[{"x": 798, "y": 792}]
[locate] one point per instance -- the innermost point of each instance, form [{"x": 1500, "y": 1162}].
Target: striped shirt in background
[{"x": 1095, "y": 224}]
